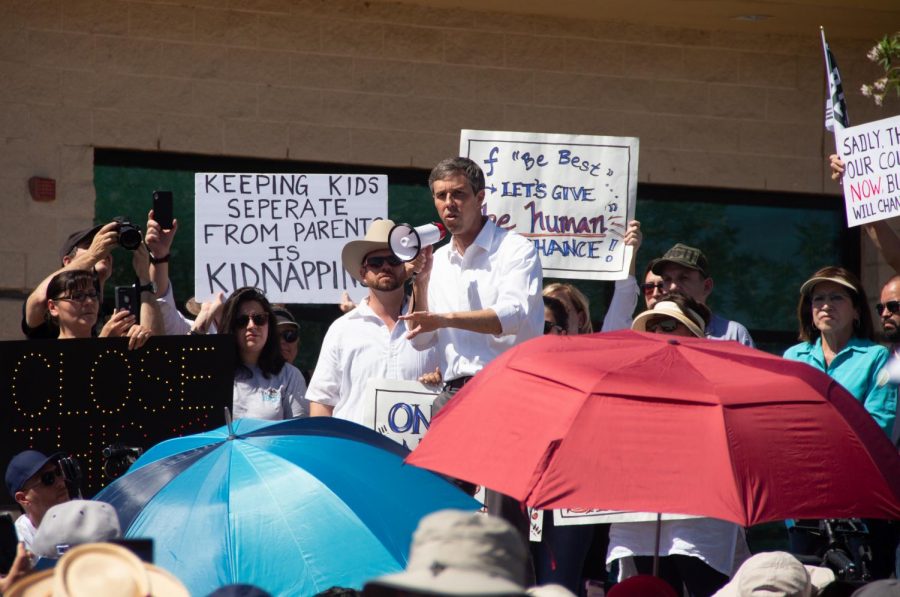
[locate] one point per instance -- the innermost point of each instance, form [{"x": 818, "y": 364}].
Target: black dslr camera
[
  {"x": 130, "y": 236},
  {"x": 117, "y": 458}
]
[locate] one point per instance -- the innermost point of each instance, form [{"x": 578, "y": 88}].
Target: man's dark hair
[
  {"x": 452, "y": 166},
  {"x": 270, "y": 360}
]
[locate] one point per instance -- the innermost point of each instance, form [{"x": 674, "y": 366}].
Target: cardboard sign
[
  {"x": 282, "y": 233},
  {"x": 871, "y": 155},
  {"x": 587, "y": 516},
  {"x": 399, "y": 409},
  {"x": 573, "y": 195},
  {"x": 81, "y": 396}
]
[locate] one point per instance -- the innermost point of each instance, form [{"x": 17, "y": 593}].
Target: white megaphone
[{"x": 406, "y": 241}]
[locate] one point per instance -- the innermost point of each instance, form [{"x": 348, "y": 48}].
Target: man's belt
[{"x": 456, "y": 384}]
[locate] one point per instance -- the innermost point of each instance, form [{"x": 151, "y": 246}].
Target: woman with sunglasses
[
  {"x": 836, "y": 336},
  {"x": 696, "y": 553},
  {"x": 265, "y": 386},
  {"x": 677, "y": 315},
  {"x": 74, "y": 306}
]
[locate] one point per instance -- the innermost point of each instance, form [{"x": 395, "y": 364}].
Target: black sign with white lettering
[{"x": 81, "y": 396}]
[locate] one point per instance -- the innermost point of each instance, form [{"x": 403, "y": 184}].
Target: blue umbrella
[{"x": 293, "y": 507}]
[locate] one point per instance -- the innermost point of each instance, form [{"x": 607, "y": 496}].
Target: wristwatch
[
  {"x": 148, "y": 287},
  {"x": 154, "y": 260}
]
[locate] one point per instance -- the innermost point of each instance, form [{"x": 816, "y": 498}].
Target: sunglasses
[
  {"x": 549, "y": 326},
  {"x": 892, "y": 306},
  {"x": 48, "y": 479},
  {"x": 377, "y": 262},
  {"x": 666, "y": 325},
  {"x": 649, "y": 287},
  {"x": 290, "y": 336},
  {"x": 80, "y": 297},
  {"x": 259, "y": 320}
]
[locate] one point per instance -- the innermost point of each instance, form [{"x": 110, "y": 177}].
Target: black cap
[
  {"x": 76, "y": 238},
  {"x": 684, "y": 256},
  {"x": 25, "y": 465},
  {"x": 284, "y": 317}
]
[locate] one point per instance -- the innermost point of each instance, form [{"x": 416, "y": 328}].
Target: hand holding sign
[{"x": 869, "y": 168}]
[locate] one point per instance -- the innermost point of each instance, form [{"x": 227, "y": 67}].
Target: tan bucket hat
[{"x": 460, "y": 553}]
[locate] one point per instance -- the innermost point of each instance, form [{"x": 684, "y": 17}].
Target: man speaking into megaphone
[
  {"x": 484, "y": 288},
  {"x": 483, "y": 291}
]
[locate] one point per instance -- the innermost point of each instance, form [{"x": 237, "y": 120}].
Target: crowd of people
[{"x": 441, "y": 319}]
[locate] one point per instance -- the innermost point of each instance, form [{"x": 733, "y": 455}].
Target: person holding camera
[
  {"x": 91, "y": 250},
  {"x": 74, "y": 307}
]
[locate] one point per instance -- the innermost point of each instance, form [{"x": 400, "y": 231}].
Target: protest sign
[
  {"x": 573, "y": 195},
  {"x": 81, "y": 396},
  {"x": 567, "y": 517},
  {"x": 399, "y": 409},
  {"x": 871, "y": 154},
  {"x": 282, "y": 233}
]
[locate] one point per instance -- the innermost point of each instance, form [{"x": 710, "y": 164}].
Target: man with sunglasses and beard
[
  {"x": 370, "y": 340},
  {"x": 889, "y": 311},
  {"x": 37, "y": 484}
]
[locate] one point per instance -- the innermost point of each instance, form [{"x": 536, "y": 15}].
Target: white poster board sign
[
  {"x": 586, "y": 516},
  {"x": 282, "y": 233},
  {"x": 871, "y": 154},
  {"x": 573, "y": 195},
  {"x": 399, "y": 409}
]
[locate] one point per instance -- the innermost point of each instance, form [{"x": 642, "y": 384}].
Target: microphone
[{"x": 406, "y": 242}]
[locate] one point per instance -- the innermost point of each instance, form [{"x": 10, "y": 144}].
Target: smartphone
[
  {"x": 128, "y": 298},
  {"x": 163, "y": 211}
]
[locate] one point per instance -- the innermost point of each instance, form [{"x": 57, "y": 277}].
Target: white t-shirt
[
  {"x": 26, "y": 532},
  {"x": 281, "y": 396},
  {"x": 717, "y": 542},
  {"x": 359, "y": 347}
]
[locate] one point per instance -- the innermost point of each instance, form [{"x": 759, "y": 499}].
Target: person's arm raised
[{"x": 36, "y": 303}]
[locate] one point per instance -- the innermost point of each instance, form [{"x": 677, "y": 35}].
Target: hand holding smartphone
[{"x": 163, "y": 209}]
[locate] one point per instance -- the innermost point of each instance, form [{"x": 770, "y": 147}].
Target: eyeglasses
[
  {"x": 290, "y": 336},
  {"x": 649, "y": 287},
  {"x": 48, "y": 478},
  {"x": 892, "y": 306},
  {"x": 377, "y": 262},
  {"x": 80, "y": 297},
  {"x": 259, "y": 320},
  {"x": 666, "y": 325},
  {"x": 549, "y": 326}
]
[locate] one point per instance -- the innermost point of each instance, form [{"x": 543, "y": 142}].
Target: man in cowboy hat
[{"x": 370, "y": 340}]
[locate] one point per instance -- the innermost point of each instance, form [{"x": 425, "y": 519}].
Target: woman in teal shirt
[{"x": 836, "y": 337}]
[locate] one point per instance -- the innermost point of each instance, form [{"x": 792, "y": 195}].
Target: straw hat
[
  {"x": 99, "y": 569},
  {"x": 691, "y": 319}
]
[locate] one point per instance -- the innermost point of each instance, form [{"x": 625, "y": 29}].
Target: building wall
[{"x": 386, "y": 84}]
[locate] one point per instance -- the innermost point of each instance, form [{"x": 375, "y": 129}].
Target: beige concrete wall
[{"x": 384, "y": 84}]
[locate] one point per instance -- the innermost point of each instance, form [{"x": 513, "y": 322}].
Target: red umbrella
[{"x": 651, "y": 423}]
